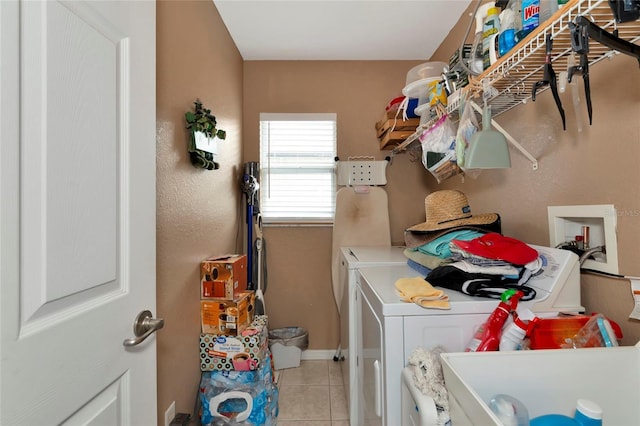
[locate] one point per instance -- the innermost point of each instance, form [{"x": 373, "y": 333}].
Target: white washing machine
[
  {"x": 391, "y": 329},
  {"x": 351, "y": 260}
]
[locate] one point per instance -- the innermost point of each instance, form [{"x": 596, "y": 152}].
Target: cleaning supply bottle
[
  {"x": 509, "y": 410},
  {"x": 514, "y": 332},
  {"x": 475, "y": 63},
  {"x": 547, "y": 8},
  {"x": 510, "y": 25},
  {"x": 530, "y": 17},
  {"x": 490, "y": 29},
  {"x": 487, "y": 337},
  {"x": 513, "y": 336},
  {"x": 534, "y": 13},
  {"x": 587, "y": 413}
]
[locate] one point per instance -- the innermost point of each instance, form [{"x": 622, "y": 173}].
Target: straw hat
[{"x": 450, "y": 209}]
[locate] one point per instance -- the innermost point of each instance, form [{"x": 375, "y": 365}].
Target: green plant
[{"x": 201, "y": 120}]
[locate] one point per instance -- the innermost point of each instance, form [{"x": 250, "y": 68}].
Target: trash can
[{"x": 286, "y": 345}]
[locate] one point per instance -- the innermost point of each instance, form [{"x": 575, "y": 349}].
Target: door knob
[{"x": 143, "y": 327}]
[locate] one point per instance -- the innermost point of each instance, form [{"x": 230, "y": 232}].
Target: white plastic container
[
  {"x": 490, "y": 30},
  {"x": 286, "y": 345},
  {"x": 547, "y": 9},
  {"x": 512, "y": 337},
  {"x": 427, "y": 70},
  {"x": 285, "y": 356},
  {"x": 509, "y": 410},
  {"x": 475, "y": 63},
  {"x": 545, "y": 381},
  {"x": 419, "y": 77}
]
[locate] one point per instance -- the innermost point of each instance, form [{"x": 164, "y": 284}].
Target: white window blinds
[{"x": 297, "y": 163}]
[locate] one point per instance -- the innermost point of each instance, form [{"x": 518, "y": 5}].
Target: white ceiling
[{"x": 339, "y": 29}]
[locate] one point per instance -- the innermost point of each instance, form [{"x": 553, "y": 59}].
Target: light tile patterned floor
[{"x": 313, "y": 395}]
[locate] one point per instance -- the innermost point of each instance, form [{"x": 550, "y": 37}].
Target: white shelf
[{"x": 514, "y": 75}]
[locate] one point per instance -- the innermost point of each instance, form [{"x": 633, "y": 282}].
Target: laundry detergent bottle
[
  {"x": 588, "y": 413},
  {"x": 476, "y": 58},
  {"x": 490, "y": 30},
  {"x": 487, "y": 337},
  {"x": 509, "y": 410},
  {"x": 510, "y": 26}
]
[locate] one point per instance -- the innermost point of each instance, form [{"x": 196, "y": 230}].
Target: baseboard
[{"x": 317, "y": 354}]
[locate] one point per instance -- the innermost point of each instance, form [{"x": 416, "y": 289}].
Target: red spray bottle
[{"x": 487, "y": 337}]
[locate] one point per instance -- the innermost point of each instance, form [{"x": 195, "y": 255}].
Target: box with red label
[
  {"x": 244, "y": 352},
  {"x": 228, "y": 317},
  {"x": 223, "y": 277}
]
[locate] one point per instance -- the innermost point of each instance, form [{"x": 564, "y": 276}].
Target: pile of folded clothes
[{"x": 456, "y": 250}]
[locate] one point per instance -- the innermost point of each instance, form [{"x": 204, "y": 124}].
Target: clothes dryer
[{"x": 351, "y": 260}]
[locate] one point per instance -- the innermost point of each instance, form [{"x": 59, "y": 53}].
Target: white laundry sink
[{"x": 546, "y": 382}]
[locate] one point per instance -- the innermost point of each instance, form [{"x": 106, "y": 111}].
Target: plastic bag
[
  {"x": 438, "y": 149},
  {"x": 467, "y": 126},
  {"x": 239, "y": 397},
  {"x": 597, "y": 332}
]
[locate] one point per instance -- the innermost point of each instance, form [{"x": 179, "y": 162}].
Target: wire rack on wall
[{"x": 512, "y": 77}]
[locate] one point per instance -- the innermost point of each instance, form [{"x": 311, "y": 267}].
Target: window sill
[{"x": 294, "y": 224}]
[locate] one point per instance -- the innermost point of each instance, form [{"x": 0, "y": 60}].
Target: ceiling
[{"x": 339, "y": 29}]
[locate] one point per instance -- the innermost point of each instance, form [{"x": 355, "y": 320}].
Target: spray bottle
[
  {"x": 510, "y": 26},
  {"x": 534, "y": 13},
  {"x": 476, "y": 63},
  {"x": 530, "y": 17},
  {"x": 487, "y": 337},
  {"x": 514, "y": 333}
]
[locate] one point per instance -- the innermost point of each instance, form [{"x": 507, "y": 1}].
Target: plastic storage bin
[
  {"x": 426, "y": 70},
  {"x": 418, "y": 80},
  {"x": 286, "y": 345},
  {"x": 546, "y": 381}
]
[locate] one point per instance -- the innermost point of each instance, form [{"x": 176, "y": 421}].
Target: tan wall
[
  {"x": 197, "y": 210},
  {"x": 299, "y": 259},
  {"x": 595, "y": 166}
]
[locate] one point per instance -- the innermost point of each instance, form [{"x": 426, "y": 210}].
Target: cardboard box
[
  {"x": 244, "y": 352},
  {"x": 227, "y": 317},
  {"x": 396, "y": 124},
  {"x": 223, "y": 277},
  {"x": 391, "y": 139}
]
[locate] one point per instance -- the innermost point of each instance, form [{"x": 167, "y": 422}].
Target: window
[{"x": 297, "y": 163}]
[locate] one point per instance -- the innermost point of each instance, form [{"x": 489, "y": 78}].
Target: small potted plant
[{"x": 203, "y": 126}]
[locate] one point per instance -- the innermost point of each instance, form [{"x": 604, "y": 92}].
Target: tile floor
[{"x": 312, "y": 394}]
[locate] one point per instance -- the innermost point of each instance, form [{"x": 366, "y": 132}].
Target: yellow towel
[{"x": 420, "y": 292}]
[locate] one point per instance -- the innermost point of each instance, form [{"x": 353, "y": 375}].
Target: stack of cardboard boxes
[
  {"x": 232, "y": 337},
  {"x": 393, "y": 130},
  {"x": 237, "y": 371}
]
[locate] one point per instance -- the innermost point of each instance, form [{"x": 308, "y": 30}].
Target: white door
[{"x": 77, "y": 216}]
